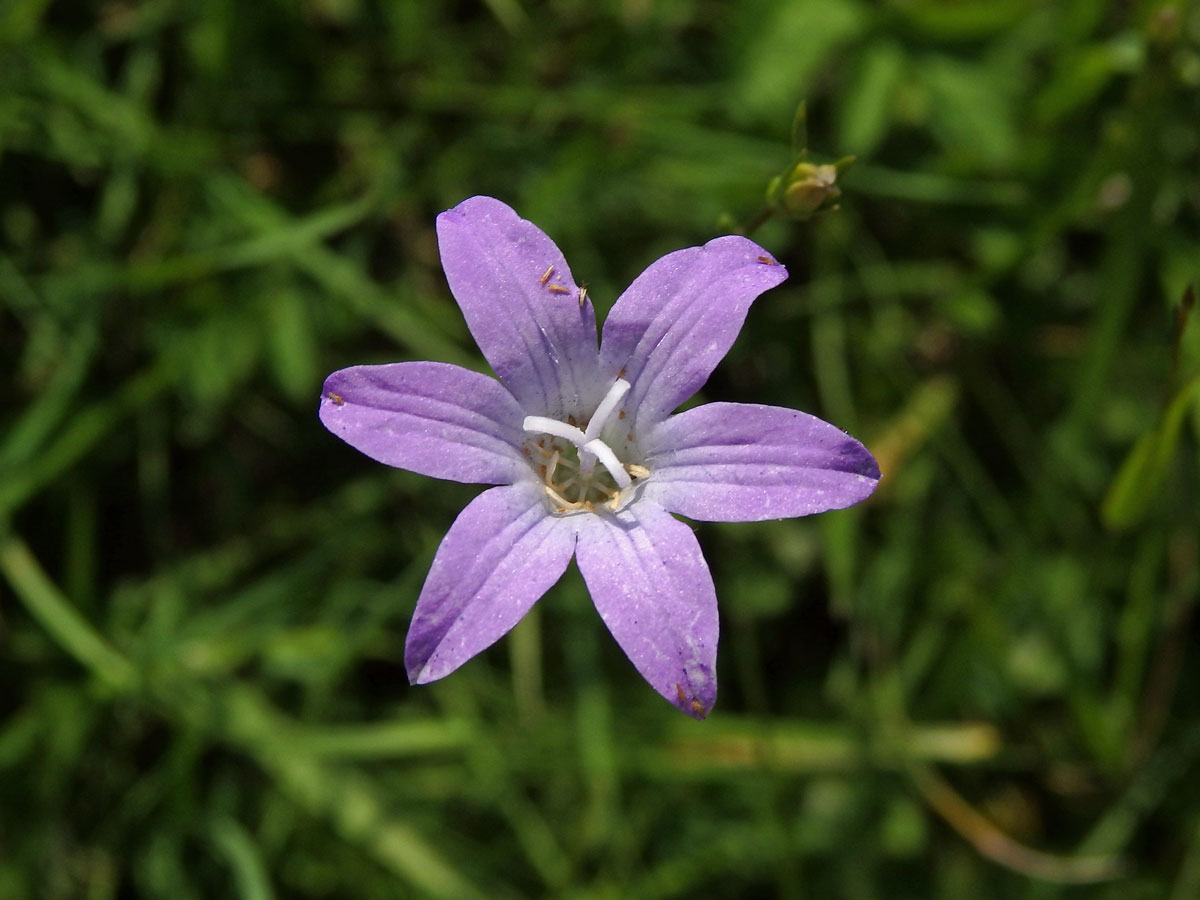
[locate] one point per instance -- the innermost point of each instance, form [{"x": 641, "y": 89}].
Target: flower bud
[{"x": 807, "y": 188}]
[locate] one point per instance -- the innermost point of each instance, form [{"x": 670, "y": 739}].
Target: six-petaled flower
[{"x": 580, "y": 438}]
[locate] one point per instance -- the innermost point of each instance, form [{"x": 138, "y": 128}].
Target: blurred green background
[{"x": 982, "y": 683}]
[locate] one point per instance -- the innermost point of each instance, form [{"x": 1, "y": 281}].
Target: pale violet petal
[
  {"x": 679, "y": 318},
  {"x": 653, "y": 590},
  {"x": 503, "y": 552},
  {"x": 739, "y": 462},
  {"x": 522, "y": 306},
  {"x": 428, "y": 417}
]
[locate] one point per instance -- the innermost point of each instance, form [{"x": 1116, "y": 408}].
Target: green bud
[
  {"x": 807, "y": 188},
  {"x": 810, "y": 188}
]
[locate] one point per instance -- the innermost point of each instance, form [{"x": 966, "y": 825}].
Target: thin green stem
[{"x": 64, "y": 623}]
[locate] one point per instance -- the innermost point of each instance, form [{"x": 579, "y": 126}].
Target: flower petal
[
  {"x": 522, "y": 306},
  {"x": 503, "y": 552},
  {"x": 679, "y": 318},
  {"x": 428, "y": 417},
  {"x": 653, "y": 590},
  {"x": 740, "y": 462}
]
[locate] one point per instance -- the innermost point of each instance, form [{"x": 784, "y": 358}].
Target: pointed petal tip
[
  {"x": 331, "y": 390},
  {"x": 474, "y": 212},
  {"x": 697, "y": 705},
  {"x": 430, "y": 669},
  {"x": 752, "y": 253},
  {"x": 479, "y": 203},
  {"x": 860, "y": 460},
  {"x": 479, "y": 211},
  {"x": 417, "y": 669}
]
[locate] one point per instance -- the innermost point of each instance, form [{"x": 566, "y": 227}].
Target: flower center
[{"x": 565, "y": 457}]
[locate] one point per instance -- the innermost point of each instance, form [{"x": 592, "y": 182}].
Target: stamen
[
  {"x": 562, "y": 501},
  {"x": 544, "y": 425},
  {"x": 614, "y": 396},
  {"x": 609, "y": 460}
]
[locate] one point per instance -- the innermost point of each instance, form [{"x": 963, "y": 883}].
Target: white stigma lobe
[
  {"x": 600, "y": 417},
  {"x": 545, "y": 425}
]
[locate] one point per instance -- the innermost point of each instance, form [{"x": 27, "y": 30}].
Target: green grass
[{"x": 982, "y": 683}]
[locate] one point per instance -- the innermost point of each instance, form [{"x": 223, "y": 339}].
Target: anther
[
  {"x": 564, "y": 503},
  {"x": 546, "y": 275}
]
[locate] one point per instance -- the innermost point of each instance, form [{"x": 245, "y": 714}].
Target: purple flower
[{"x": 589, "y": 460}]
